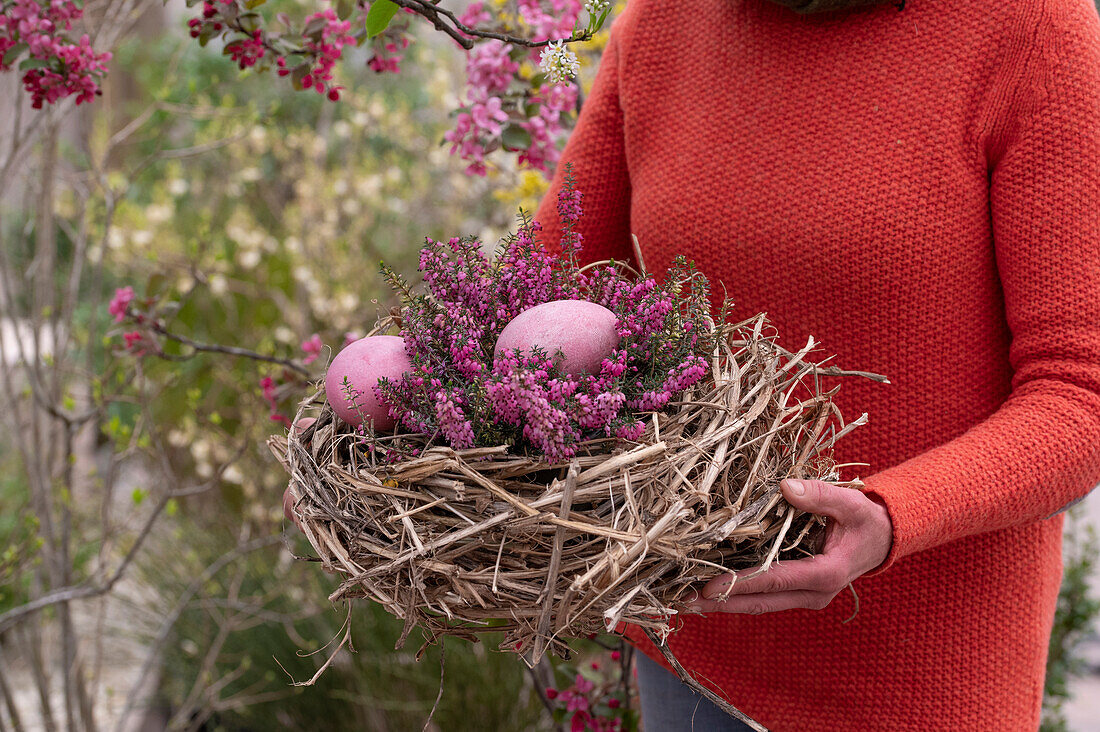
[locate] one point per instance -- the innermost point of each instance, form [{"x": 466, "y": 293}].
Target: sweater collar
[{"x": 806, "y": 7}]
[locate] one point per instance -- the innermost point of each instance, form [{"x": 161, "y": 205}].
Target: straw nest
[{"x": 461, "y": 542}]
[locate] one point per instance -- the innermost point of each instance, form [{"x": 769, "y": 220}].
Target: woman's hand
[{"x": 858, "y": 539}]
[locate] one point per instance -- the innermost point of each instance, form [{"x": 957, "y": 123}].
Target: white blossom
[
  {"x": 595, "y": 7},
  {"x": 558, "y": 62},
  {"x": 178, "y": 186}
]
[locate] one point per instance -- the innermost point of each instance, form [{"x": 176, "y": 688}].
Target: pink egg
[
  {"x": 583, "y": 332},
  {"x": 364, "y": 362},
  {"x": 288, "y": 507},
  {"x": 303, "y": 424}
]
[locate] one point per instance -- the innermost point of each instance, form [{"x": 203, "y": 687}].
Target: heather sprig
[{"x": 460, "y": 394}]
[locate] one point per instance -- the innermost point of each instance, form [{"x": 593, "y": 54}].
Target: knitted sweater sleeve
[
  {"x": 596, "y": 150},
  {"x": 1041, "y": 449}
]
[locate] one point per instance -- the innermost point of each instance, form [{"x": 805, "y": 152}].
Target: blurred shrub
[
  {"x": 256, "y": 218},
  {"x": 1074, "y": 619}
]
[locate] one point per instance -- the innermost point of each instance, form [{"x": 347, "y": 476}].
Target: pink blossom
[
  {"x": 267, "y": 386},
  {"x": 133, "y": 339},
  {"x": 335, "y": 34},
  {"x": 490, "y": 68},
  {"x": 312, "y": 348},
  {"x": 475, "y": 15},
  {"x": 386, "y": 56},
  {"x": 120, "y": 303},
  {"x": 248, "y": 51},
  {"x": 583, "y": 685},
  {"x": 69, "y": 67},
  {"x": 550, "y": 23},
  {"x": 487, "y": 115}
]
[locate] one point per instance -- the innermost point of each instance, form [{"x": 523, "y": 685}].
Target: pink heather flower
[
  {"x": 452, "y": 420},
  {"x": 312, "y": 348},
  {"x": 451, "y": 330},
  {"x": 120, "y": 303},
  {"x": 551, "y": 693},
  {"x": 615, "y": 655},
  {"x": 579, "y": 722}
]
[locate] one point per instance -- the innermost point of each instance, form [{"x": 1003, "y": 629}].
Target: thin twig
[{"x": 690, "y": 680}]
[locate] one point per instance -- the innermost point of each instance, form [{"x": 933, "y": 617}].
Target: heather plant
[{"x": 467, "y": 396}]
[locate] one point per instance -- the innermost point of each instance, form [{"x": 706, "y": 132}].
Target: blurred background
[{"x": 147, "y": 578}]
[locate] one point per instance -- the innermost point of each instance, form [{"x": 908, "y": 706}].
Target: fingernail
[{"x": 796, "y": 487}]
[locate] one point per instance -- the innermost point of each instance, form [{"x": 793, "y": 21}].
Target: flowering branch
[
  {"x": 463, "y": 34},
  {"x": 121, "y": 307},
  {"x": 198, "y": 346}
]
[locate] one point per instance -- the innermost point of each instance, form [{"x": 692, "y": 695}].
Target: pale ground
[{"x": 1083, "y": 712}]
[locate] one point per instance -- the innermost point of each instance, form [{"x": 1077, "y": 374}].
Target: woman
[{"x": 919, "y": 188}]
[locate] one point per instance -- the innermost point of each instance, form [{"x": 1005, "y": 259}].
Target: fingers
[
  {"x": 822, "y": 573},
  {"x": 825, "y": 499},
  {"x": 772, "y": 602}
]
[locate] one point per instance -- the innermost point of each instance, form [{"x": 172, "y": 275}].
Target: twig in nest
[{"x": 690, "y": 680}]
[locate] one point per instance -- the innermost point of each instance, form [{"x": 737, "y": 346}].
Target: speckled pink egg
[
  {"x": 364, "y": 362},
  {"x": 583, "y": 332}
]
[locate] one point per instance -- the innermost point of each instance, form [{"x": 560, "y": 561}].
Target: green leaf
[
  {"x": 516, "y": 138},
  {"x": 250, "y": 22},
  {"x": 155, "y": 284},
  {"x": 379, "y": 16},
  {"x": 33, "y": 63},
  {"x": 252, "y": 4},
  {"x": 297, "y": 74},
  {"x": 595, "y": 24},
  {"x": 344, "y": 8},
  {"x": 171, "y": 506},
  {"x": 13, "y": 53},
  {"x": 206, "y": 34},
  {"x": 138, "y": 495},
  {"x": 314, "y": 27}
]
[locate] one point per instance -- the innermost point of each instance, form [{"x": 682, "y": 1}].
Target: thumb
[{"x": 824, "y": 499}]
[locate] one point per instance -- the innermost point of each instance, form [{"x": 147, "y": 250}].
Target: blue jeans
[{"x": 670, "y": 705}]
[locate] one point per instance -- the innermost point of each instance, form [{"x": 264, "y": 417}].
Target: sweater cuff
[{"x": 889, "y": 490}]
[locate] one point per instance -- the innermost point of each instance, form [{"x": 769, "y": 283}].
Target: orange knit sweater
[{"x": 920, "y": 190}]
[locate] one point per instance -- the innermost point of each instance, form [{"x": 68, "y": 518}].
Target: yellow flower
[{"x": 527, "y": 193}]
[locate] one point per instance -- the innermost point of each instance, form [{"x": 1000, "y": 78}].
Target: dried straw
[{"x": 462, "y": 542}]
